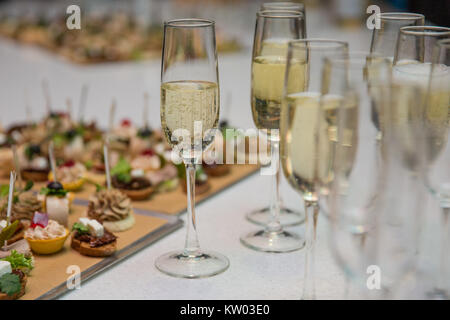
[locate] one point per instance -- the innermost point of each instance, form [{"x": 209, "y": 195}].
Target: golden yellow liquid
[
  {"x": 185, "y": 102},
  {"x": 309, "y": 138},
  {"x": 424, "y": 101},
  {"x": 268, "y": 76}
]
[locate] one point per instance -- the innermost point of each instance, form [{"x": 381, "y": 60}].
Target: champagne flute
[
  {"x": 384, "y": 38},
  {"x": 189, "y": 113},
  {"x": 438, "y": 128},
  {"x": 291, "y": 6},
  {"x": 422, "y": 59},
  {"x": 351, "y": 181},
  {"x": 438, "y": 178},
  {"x": 287, "y": 216},
  {"x": 273, "y": 30},
  {"x": 302, "y": 158}
]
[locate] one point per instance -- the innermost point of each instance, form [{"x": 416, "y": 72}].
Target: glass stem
[
  {"x": 274, "y": 222},
  {"x": 443, "y": 269},
  {"x": 312, "y": 212},
  {"x": 192, "y": 246}
]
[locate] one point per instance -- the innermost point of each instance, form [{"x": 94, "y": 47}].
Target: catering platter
[{"x": 48, "y": 279}]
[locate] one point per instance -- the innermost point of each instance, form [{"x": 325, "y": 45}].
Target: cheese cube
[
  {"x": 95, "y": 228},
  {"x": 58, "y": 209},
  {"x": 84, "y": 221},
  {"x": 3, "y": 224},
  {"x": 5, "y": 267}
]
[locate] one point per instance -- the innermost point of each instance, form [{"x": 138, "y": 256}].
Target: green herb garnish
[
  {"x": 4, "y": 190},
  {"x": 122, "y": 171},
  {"x": 53, "y": 192},
  {"x": 10, "y": 284},
  {"x": 19, "y": 261},
  {"x": 28, "y": 186},
  {"x": 80, "y": 228},
  {"x": 8, "y": 232},
  {"x": 89, "y": 164}
]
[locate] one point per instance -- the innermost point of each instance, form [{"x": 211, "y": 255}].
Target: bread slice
[
  {"x": 199, "y": 188},
  {"x": 34, "y": 175},
  {"x": 141, "y": 194},
  {"x": 23, "y": 283},
  {"x": 85, "y": 249},
  {"x": 18, "y": 236},
  {"x": 218, "y": 170}
]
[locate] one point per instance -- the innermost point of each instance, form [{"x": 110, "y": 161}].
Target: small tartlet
[{"x": 48, "y": 246}]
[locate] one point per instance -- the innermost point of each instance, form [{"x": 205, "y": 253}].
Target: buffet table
[{"x": 221, "y": 219}]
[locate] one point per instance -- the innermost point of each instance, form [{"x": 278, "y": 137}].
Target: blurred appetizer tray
[
  {"x": 174, "y": 202},
  {"x": 48, "y": 280}
]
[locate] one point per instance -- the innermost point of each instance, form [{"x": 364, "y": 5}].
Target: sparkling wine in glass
[
  {"x": 304, "y": 157},
  {"x": 287, "y": 216},
  {"x": 189, "y": 115},
  {"x": 274, "y": 28}
]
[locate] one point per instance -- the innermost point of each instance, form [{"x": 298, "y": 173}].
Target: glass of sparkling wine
[
  {"x": 422, "y": 58},
  {"x": 287, "y": 216},
  {"x": 384, "y": 38},
  {"x": 273, "y": 30},
  {"x": 189, "y": 117},
  {"x": 302, "y": 157}
]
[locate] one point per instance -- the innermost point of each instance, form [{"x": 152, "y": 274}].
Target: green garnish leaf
[
  {"x": 19, "y": 261},
  {"x": 4, "y": 190},
  {"x": 53, "y": 192},
  {"x": 123, "y": 177},
  {"x": 29, "y": 185},
  {"x": 98, "y": 187},
  {"x": 80, "y": 228},
  {"x": 181, "y": 170},
  {"x": 89, "y": 164},
  {"x": 122, "y": 171},
  {"x": 10, "y": 284},
  {"x": 122, "y": 166},
  {"x": 8, "y": 231},
  {"x": 162, "y": 160}
]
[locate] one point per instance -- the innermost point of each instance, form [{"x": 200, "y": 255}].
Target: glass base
[
  {"x": 438, "y": 294},
  {"x": 276, "y": 242},
  {"x": 206, "y": 264},
  {"x": 288, "y": 217}
]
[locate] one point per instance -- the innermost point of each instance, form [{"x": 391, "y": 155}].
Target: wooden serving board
[{"x": 49, "y": 277}]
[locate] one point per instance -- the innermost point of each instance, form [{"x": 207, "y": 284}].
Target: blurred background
[{"x": 117, "y": 51}]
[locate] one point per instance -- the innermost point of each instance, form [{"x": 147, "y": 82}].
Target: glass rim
[
  {"x": 189, "y": 23},
  {"x": 425, "y": 30},
  {"x": 283, "y": 5},
  {"x": 354, "y": 59},
  {"x": 280, "y": 14},
  {"x": 400, "y": 16},
  {"x": 327, "y": 43}
]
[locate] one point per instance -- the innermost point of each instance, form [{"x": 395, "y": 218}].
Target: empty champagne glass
[
  {"x": 384, "y": 39},
  {"x": 351, "y": 185},
  {"x": 304, "y": 159},
  {"x": 189, "y": 113},
  {"x": 274, "y": 28},
  {"x": 422, "y": 60},
  {"x": 287, "y": 216},
  {"x": 438, "y": 177}
]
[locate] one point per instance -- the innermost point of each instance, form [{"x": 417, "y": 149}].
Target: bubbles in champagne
[{"x": 186, "y": 104}]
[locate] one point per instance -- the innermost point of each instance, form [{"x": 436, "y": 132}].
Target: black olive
[
  {"x": 145, "y": 132},
  {"x": 35, "y": 149},
  {"x": 223, "y": 124},
  {"x": 54, "y": 185},
  {"x": 54, "y": 115},
  {"x": 71, "y": 134}
]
